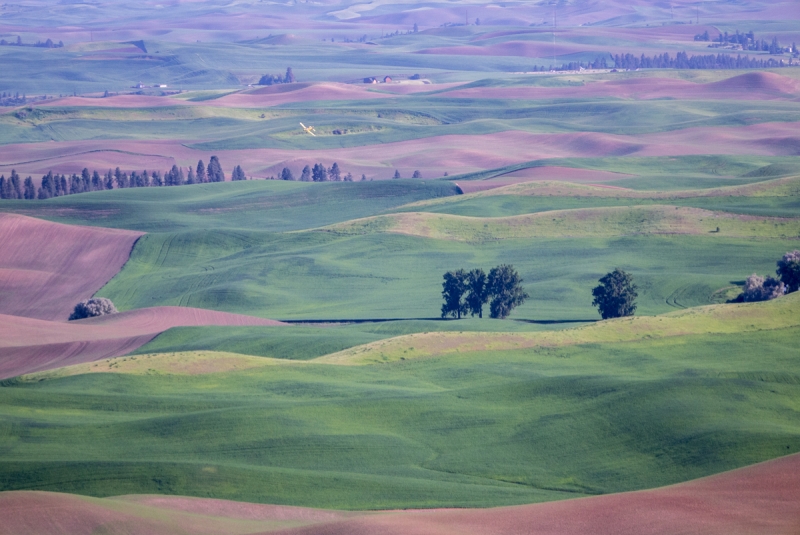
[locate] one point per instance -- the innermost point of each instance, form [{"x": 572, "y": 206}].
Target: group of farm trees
[
  {"x": 319, "y": 173},
  {"x": 271, "y": 79},
  {"x": 465, "y": 292},
  {"x": 53, "y": 185},
  {"x": 757, "y": 288},
  {"x": 683, "y": 61},
  {"x": 39, "y": 44},
  {"x": 747, "y": 41}
]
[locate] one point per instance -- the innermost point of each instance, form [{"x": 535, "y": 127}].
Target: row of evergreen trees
[
  {"x": 683, "y": 61},
  {"x": 319, "y": 173},
  {"x": 53, "y": 185}
]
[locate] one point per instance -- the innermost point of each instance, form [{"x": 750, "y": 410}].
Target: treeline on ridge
[
  {"x": 54, "y": 185},
  {"x": 682, "y": 60}
]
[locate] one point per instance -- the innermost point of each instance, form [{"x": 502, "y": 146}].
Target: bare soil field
[
  {"x": 763, "y": 498},
  {"x": 28, "y": 345},
  {"x": 432, "y": 155},
  {"x": 46, "y": 268},
  {"x": 286, "y": 93}
]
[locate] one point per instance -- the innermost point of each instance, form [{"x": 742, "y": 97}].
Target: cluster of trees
[
  {"x": 91, "y": 308},
  {"x": 599, "y": 63},
  {"x": 272, "y": 79},
  {"x": 465, "y": 292},
  {"x": 15, "y": 99},
  {"x": 683, "y": 61},
  {"x": 747, "y": 41},
  {"x": 53, "y": 185},
  {"x": 40, "y": 44},
  {"x": 758, "y": 288},
  {"x": 319, "y": 173}
]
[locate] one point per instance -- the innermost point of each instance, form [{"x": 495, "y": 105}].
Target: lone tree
[
  {"x": 789, "y": 271},
  {"x": 286, "y": 174},
  {"x": 238, "y": 173},
  {"x": 477, "y": 292},
  {"x": 615, "y": 296},
  {"x": 214, "y": 170},
  {"x": 201, "y": 173},
  {"x": 504, "y": 285},
  {"x": 416, "y": 174},
  {"x": 90, "y": 308},
  {"x": 334, "y": 173},
  {"x": 453, "y": 289},
  {"x": 396, "y": 174}
]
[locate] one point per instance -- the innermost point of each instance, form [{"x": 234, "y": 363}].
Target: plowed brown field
[
  {"x": 46, "y": 268},
  {"x": 29, "y": 345}
]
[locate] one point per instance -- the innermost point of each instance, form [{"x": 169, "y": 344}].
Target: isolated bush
[
  {"x": 615, "y": 296},
  {"x": 789, "y": 271},
  {"x": 416, "y": 174},
  {"x": 90, "y": 308},
  {"x": 757, "y": 288}
]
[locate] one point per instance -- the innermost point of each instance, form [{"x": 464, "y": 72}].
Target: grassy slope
[
  {"x": 218, "y": 246},
  {"x": 777, "y": 197},
  {"x": 276, "y": 206},
  {"x": 303, "y": 342},
  {"x": 480, "y": 427}
]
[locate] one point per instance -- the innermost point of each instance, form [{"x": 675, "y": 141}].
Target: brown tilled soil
[
  {"x": 46, "y": 268},
  {"x": 433, "y": 156},
  {"x": 761, "y": 499},
  {"x": 29, "y": 345}
]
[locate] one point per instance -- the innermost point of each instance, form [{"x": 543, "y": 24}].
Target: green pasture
[
  {"x": 374, "y": 121},
  {"x": 324, "y": 275},
  {"x": 471, "y": 429},
  {"x": 307, "y": 341},
  {"x": 259, "y": 205}
]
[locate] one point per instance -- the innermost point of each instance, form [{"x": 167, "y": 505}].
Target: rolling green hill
[{"x": 474, "y": 428}]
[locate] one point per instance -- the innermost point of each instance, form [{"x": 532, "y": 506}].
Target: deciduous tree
[
  {"x": 477, "y": 292},
  {"x": 789, "y": 270},
  {"x": 453, "y": 289},
  {"x": 504, "y": 285},
  {"x": 757, "y": 288},
  {"x": 615, "y": 296}
]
